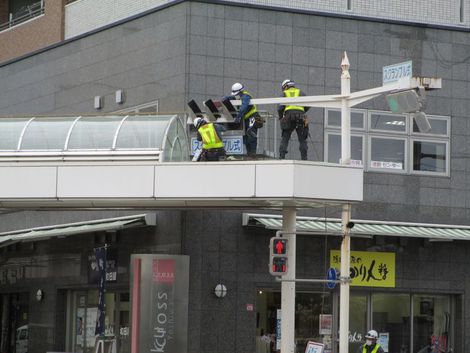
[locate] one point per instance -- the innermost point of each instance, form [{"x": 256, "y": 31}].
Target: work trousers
[
  {"x": 250, "y": 139},
  {"x": 212, "y": 155},
  {"x": 294, "y": 120}
]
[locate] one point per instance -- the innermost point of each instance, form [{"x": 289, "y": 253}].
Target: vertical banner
[
  {"x": 278, "y": 329},
  {"x": 163, "y": 309},
  {"x": 100, "y": 254}
]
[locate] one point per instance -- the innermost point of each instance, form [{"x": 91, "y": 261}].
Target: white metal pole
[
  {"x": 288, "y": 288},
  {"x": 346, "y": 211},
  {"x": 345, "y": 112},
  {"x": 344, "y": 286}
]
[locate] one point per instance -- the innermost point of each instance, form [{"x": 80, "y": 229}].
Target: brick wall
[{"x": 35, "y": 34}]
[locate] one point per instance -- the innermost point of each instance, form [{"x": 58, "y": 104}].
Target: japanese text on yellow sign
[{"x": 368, "y": 269}]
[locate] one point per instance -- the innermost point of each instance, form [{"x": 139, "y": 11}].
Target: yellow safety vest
[
  {"x": 291, "y": 93},
  {"x": 210, "y": 138},
  {"x": 376, "y": 348},
  {"x": 253, "y": 107}
]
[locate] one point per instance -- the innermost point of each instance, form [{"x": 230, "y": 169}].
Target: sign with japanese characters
[
  {"x": 233, "y": 144},
  {"x": 368, "y": 269},
  {"x": 393, "y": 73},
  {"x": 162, "y": 286}
]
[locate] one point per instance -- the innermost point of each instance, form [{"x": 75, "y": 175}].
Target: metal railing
[{"x": 24, "y": 14}]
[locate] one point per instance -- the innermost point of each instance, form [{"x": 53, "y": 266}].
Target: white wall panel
[
  {"x": 28, "y": 182},
  {"x": 222, "y": 184},
  {"x": 213, "y": 180},
  {"x": 105, "y": 181},
  {"x": 274, "y": 180},
  {"x": 328, "y": 182}
]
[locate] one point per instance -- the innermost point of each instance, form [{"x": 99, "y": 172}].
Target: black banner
[
  {"x": 100, "y": 255},
  {"x": 111, "y": 267}
]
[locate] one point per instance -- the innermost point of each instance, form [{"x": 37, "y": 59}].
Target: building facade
[{"x": 166, "y": 53}]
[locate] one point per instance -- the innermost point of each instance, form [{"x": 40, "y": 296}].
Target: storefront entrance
[
  {"x": 406, "y": 323},
  {"x": 313, "y": 320},
  {"x": 14, "y": 314},
  {"x": 83, "y": 320}
]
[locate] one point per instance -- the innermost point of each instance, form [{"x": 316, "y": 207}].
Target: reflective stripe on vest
[
  {"x": 291, "y": 93},
  {"x": 376, "y": 348},
  {"x": 251, "y": 110},
  {"x": 210, "y": 138}
]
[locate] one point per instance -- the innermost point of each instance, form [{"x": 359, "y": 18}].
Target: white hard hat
[
  {"x": 287, "y": 83},
  {"x": 198, "y": 122},
  {"x": 237, "y": 88},
  {"x": 372, "y": 334}
]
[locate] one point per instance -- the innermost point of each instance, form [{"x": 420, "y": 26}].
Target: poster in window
[
  {"x": 383, "y": 341},
  {"x": 314, "y": 347},
  {"x": 326, "y": 324}
]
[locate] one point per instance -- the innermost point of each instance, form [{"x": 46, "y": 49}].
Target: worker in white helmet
[
  {"x": 371, "y": 345},
  {"x": 292, "y": 117},
  {"x": 247, "y": 112},
  {"x": 210, "y": 134}
]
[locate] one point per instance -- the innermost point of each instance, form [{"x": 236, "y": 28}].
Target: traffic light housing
[
  {"x": 410, "y": 102},
  {"x": 404, "y": 102},
  {"x": 278, "y": 256}
]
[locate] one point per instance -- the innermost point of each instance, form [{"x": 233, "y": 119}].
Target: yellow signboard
[{"x": 368, "y": 269}]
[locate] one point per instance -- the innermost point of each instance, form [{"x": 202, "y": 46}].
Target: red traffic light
[{"x": 279, "y": 246}]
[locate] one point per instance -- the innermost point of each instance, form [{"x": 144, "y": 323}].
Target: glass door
[
  {"x": 391, "y": 319},
  {"x": 357, "y": 320},
  {"x": 313, "y": 320},
  {"x": 85, "y": 308}
]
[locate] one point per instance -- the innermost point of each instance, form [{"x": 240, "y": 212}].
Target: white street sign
[{"x": 394, "y": 72}]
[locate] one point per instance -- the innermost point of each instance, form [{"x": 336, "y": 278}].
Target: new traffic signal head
[
  {"x": 278, "y": 256},
  {"x": 404, "y": 102}
]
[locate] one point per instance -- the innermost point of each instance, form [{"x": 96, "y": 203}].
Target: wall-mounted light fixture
[
  {"x": 220, "y": 290},
  {"x": 39, "y": 295},
  {"x": 98, "y": 102},
  {"x": 119, "y": 96}
]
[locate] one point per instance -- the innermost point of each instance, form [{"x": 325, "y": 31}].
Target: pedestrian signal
[{"x": 278, "y": 256}]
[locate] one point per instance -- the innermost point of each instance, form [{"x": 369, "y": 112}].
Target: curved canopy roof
[{"x": 164, "y": 134}]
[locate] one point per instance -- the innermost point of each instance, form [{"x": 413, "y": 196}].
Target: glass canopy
[{"x": 164, "y": 134}]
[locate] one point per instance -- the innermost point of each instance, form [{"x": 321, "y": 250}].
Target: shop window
[
  {"x": 431, "y": 323},
  {"x": 391, "y": 318}
]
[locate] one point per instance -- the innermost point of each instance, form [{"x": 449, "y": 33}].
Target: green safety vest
[
  {"x": 210, "y": 138},
  {"x": 291, "y": 93},
  {"x": 252, "y": 110},
  {"x": 376, "y": 348}
]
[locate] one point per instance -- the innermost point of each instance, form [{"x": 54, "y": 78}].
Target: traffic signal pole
[{"x": 289, "y": 215}]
